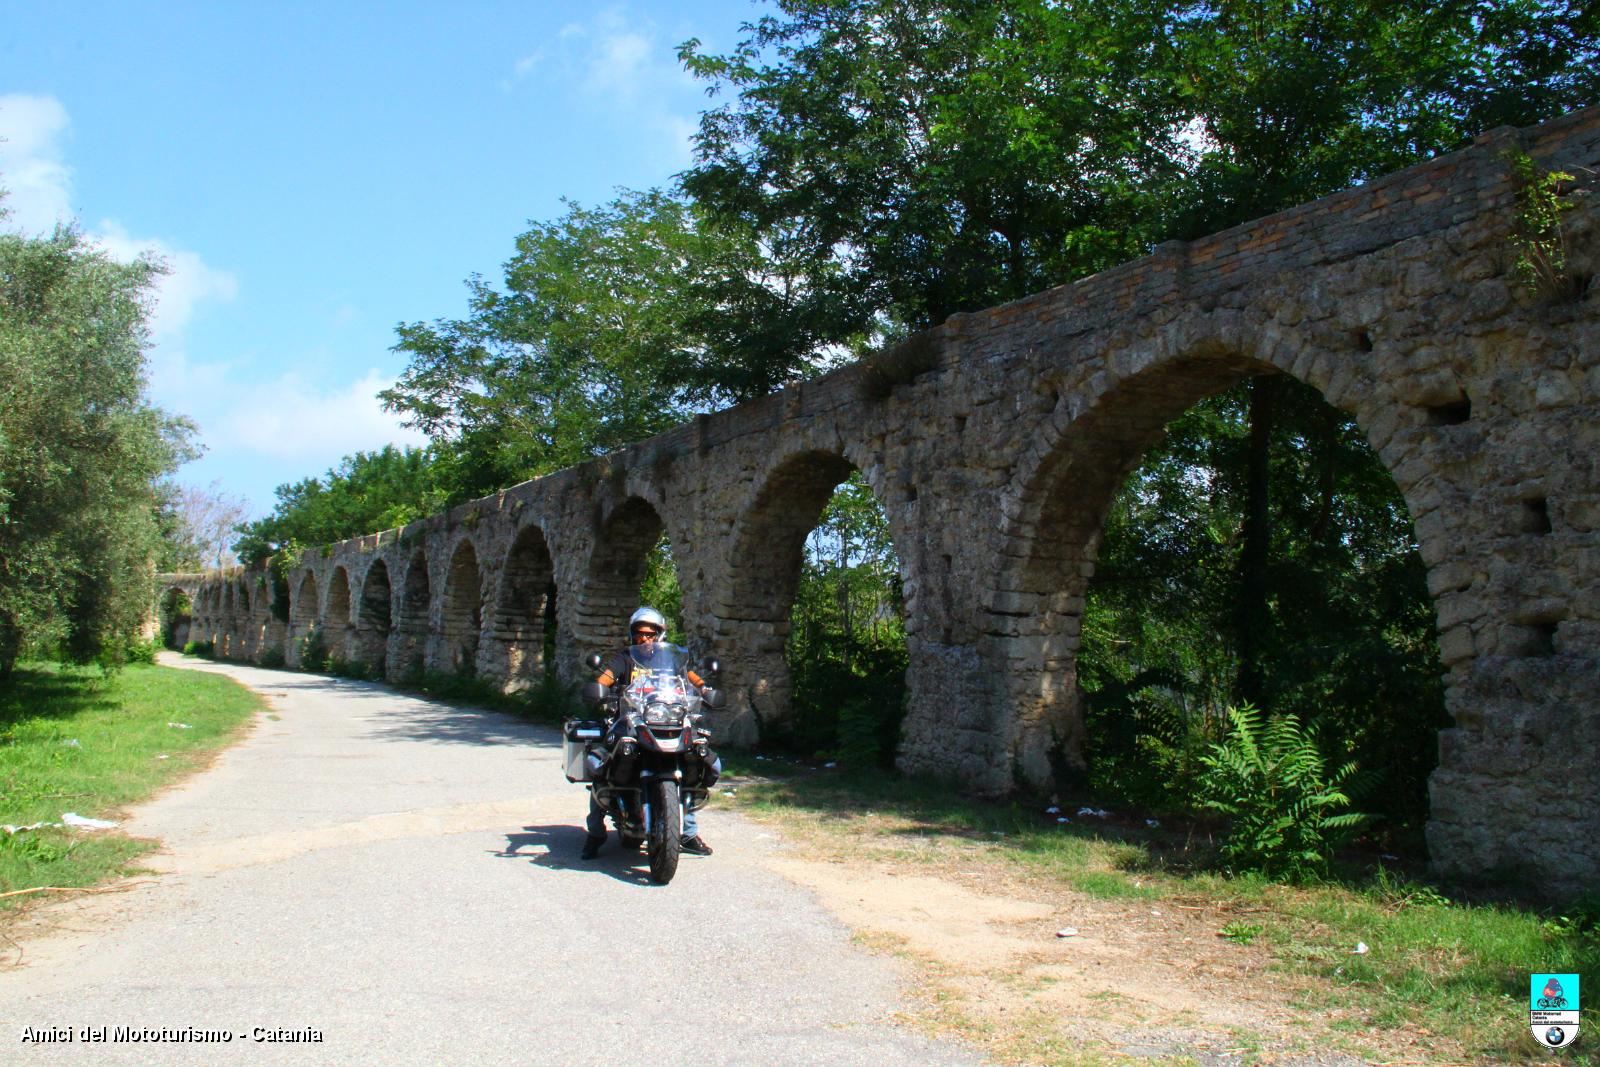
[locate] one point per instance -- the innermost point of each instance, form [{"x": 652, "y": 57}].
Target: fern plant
[{"x": 1286, "y": 812}]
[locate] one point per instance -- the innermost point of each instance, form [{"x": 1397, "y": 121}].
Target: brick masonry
[{"x": 995, "y": 443}]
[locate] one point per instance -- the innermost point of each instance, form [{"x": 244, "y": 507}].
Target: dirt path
[{"x": 1037, "y": 973}]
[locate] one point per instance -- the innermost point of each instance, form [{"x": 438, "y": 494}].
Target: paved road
[{"x": 403, "y": 878}]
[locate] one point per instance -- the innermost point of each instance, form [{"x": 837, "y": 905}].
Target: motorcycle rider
[{"x": 646, "y": 627}]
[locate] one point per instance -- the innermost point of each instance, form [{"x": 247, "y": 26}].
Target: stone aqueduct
[{"x": 995, "y": 443}]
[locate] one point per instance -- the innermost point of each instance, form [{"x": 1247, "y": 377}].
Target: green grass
[
  {"x": 119, "y": 726},
  {"x": 1440, "y": 959}
]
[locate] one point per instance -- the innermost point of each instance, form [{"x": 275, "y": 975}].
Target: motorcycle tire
[{"x": 666, "y": 830}]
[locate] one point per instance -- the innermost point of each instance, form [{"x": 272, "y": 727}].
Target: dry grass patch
[{"x": 974, "y": 896}]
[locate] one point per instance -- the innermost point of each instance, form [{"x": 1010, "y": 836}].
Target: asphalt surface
[{"x": 403, "y": 879}]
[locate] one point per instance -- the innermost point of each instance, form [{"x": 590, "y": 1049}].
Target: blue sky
[{"x": 316, "y": 173}]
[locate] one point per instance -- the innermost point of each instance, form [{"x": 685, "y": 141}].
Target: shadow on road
[
  {"x": 422, "y": 720},
  {"x": 409, "y": 717},
  {"x": 562, "y": 845}
]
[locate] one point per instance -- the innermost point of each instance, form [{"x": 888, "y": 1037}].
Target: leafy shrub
[
  {"x": 203, "y": 649},
  {"x": 552, "y": 700},
  {"x": 143, "y": 651},
  {"x": 849, "y": 699},
  {"x": 1287, "y": 813},
  {"x": 314, "y": 652},
  {"x": 1579, "y": 920},
  {"x": 1144, "y": 738},
  {"x": 340, "y": 667},
  {"x": 1540, "y": 241},
  {"x": 272, "y": 657}
]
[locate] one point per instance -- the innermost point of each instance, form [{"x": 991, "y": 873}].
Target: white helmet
[{"x": 648, "y": 617}]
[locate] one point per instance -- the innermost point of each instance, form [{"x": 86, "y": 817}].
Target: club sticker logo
[{"x": 1553, "y": 1009}]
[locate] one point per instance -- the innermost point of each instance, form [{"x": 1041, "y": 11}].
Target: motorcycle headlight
[{"x": 658, "y": 714}]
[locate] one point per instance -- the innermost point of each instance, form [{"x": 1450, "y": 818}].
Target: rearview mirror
[
  {"x": 711, "y": 665},
  {"x": 592, "y": 661}
]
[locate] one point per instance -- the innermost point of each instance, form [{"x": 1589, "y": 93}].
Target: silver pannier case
[{"x": 576, "y": 737}]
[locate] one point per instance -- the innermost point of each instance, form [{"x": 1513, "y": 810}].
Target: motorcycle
[{"x": 650, "y": 761}]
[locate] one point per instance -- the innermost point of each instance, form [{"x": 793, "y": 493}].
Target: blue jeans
[{"x": 596, "y": 823}]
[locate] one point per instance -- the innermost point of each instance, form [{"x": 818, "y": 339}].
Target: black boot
[
  {"x": 695, "y": 846},
  {"x": 591, "y": 846}
]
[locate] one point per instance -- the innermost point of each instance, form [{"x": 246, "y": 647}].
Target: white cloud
[
  {"x": 248, "y": 428},
  {"x": 623, "y": 61},
  {"x": 625, "y": 64},
  {"x": 525, "y": 66},
  {"x": 38, "y": 184},
  {"x": 39, "y": 187},
  {"x": 188, "y": 282},
  {"x": 309, "y": 421}
]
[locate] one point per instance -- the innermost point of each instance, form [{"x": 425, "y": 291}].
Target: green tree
[
  {"x": 1345, "y": 635},
  {"x": 81, "y": 451},
  {"x": 367, "y": 491},
  {"x": 942, "y": 156},
  {"x": 614, "y": 323},
  {"x": 847, "y": 642},
  {"x": 948, "y": 155},
  {"x": 1295, "y": 99}
]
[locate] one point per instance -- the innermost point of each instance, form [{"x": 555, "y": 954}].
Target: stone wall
[{"x": 996, "y": 443}]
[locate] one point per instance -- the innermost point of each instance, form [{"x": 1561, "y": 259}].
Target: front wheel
[{"x": 666, "y": 830}]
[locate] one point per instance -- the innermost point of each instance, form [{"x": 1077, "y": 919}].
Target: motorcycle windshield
[
  {"x": 660, "y": 656},
  {"x": 659, "y": 686}
]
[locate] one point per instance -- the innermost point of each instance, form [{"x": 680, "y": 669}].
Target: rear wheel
[{"x": 666, "y": 830}]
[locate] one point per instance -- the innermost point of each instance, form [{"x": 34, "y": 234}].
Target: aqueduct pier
[{"x": 995, "y": 443}]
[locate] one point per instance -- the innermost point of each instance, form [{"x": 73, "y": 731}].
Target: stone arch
[
  {"x": 213, "y": 612},
  {"x": 304, "y": 613},
  {"x": 229, "y": 622},
  {"x": 524, "y": 613},
  {"x": 764, "y": 576},
  {"x": 461, "y": 614},
  {"x": 253, "y": 607},
  {"x": 409, "y": 644},
  {"x": 374, "y": 621},
  {"x": 239, "y": 618},
  {"x": 176, "y": 616},
  {"x": 616, "y": 568},
  {"x": 1030, "y": 618},
  {"x": 337, "y": 618}
]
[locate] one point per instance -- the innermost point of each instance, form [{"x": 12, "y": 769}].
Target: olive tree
[{"x": 81, "y": 451}]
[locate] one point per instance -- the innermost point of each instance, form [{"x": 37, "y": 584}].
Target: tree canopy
[
  {"x": 81, "y": 451},
  {"x": 366, "y": 492},
  {"x": 949, "y": 155}
]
